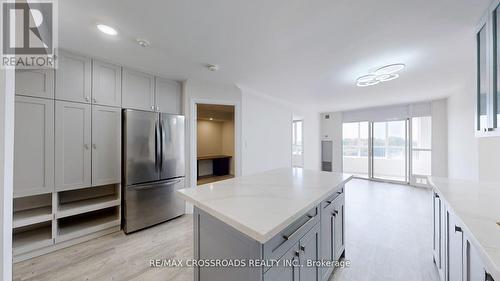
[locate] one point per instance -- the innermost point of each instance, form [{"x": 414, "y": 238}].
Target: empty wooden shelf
[
  {"x": 32, "y": 238},
  {"x": 32, "y": 216},
  {"x": 87, "y": 205},
  {"x": 79, "y": 225}
]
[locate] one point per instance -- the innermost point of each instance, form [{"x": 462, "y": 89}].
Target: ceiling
[
  {"x": 305, "y": 51},
  {"x": 215, "y": 112}
]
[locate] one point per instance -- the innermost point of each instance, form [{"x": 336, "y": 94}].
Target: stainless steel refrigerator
[{"x": 153, "y": 168}]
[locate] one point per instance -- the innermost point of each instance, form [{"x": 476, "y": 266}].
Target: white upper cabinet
[
  {"x": 35, "y": 83},
  {"x": 168, "y": 96},
  {"x": 106, "y": 84},
  {"x": 138, "y": 90},
  {"x": 487, "y": 119},
  {"x": 73, "y": 78},
  {"x": 106, "y": 145},
  {"x": 73, "y": 145},
  {"x": 33, "y": 146}
]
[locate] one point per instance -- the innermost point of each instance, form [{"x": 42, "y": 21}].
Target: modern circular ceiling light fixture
[
  {"x": 382, "y": 74},
  {"x": 390, "y": 69},
  {"x": 106, "y": 29}
]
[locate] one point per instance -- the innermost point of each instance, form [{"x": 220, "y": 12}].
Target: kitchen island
[{"x": 275, "y": 225}]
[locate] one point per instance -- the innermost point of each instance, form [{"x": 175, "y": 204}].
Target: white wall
[
  {"x": 489, "y": 159},
  {"x": 439, "y": 112},
  {"x": 228, "y": 142},
  {"x": 267, "y": 133},
  {"x": 265, "y": 127},
  {"x": 463, "y": 153},
  {"x": 209, "y": 138},
  {"x": 6, "y": 172},
  {"x": 208, "y": 92}
]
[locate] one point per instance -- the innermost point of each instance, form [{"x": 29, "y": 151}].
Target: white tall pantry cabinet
[
  {"x": 34, "y": 146},
  {"x": 73, "y": 141},
  {"x": 106, "y": 149},
  {"x": 67, "y": 155}
]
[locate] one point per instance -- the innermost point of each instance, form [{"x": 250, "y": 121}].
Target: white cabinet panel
[
  {"x": 455, "y": 249},
  {"x": 137, "y": 90},
  {"x": 106, "y": 84},
  {"x": 475, "y": 269},
  {"x": 33, "y": 146},
  {"x": 35, "y": 83},
  {"x": 168, "y": 96},
  {"x": 73, "y": 78},
  {"x": 106, "y": 145},
  {"x": 73, "y": 141}
]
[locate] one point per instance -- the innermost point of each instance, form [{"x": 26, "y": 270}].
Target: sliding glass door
[
  {"x": 376, "y": 150},
  {"x": 390, "y": 150}
]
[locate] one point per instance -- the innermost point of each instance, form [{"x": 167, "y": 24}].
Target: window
[
  {"x": 355, "y": 148},
  {"x": 355, "y": 139},
  {"x": 421, "y": 146}
]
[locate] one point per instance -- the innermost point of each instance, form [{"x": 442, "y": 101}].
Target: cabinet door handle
[
  {"x": 436, "y": 195},
  {"x": 94, "y": 146},
  {"x": 288, "y": 237},
  {"x": 297, "y": 253},
  {"x": 157, "y": 108},
  {"x": 86, "y": 146},
  {"x": 87, "y": 98},
  {"x": 95, "y": 100},
  {"x": 458, "y": 228},
  {"x": 302, "y": 248},
  {"x": 153, "y": 107}
]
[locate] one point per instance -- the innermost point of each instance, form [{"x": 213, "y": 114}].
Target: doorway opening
[
  {"x": 298, "y": 143},
  {"x": 215, "y": 143}
]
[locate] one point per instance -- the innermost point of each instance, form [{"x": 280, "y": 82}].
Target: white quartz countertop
[
  {"x": 477, "y": 206},
  {"x": 261, "y": 205}
]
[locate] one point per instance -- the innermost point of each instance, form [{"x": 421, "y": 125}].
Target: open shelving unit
[
  {"x": 32, "y": 237},
  {"x": 79, "y": 225},
  {"x": 47, "y": 222},
  {"x": 32, "y": 216}
]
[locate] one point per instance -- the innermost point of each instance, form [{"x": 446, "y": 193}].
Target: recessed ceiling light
[
  {"x": 212, "y": 67},
  {"x": 390, "y": 69},
  {"x": 107, "y": 29},
  {"x": 143, "y": 43},
  {"x": 211, "y": 119}
]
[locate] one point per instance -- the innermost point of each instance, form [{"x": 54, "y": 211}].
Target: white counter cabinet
[{"x": 466, "y": 235}]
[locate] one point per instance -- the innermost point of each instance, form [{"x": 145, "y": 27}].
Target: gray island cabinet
[{"x": 281, "y": 225}]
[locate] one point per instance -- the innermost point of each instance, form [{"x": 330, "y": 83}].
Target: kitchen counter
[
  {"x": 263, "y": 204},
  {"x": 477, "y": 206}
]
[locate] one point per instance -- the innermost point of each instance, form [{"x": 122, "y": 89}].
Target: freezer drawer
[{"x": 149, "y": 204}]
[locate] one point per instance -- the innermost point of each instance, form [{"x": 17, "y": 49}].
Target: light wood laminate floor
[{"x": 388, "y": 237}]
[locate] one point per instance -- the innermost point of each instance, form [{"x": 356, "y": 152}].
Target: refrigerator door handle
[
  {"x": 156, "y": 185},
  {"x": 162, "y": 136},
  {"x": 158, "y": 145}
]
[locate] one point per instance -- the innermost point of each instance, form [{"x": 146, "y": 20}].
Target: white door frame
[
  {"x": 7, "y": 105},
  {"x": 193, "y": 135}
]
